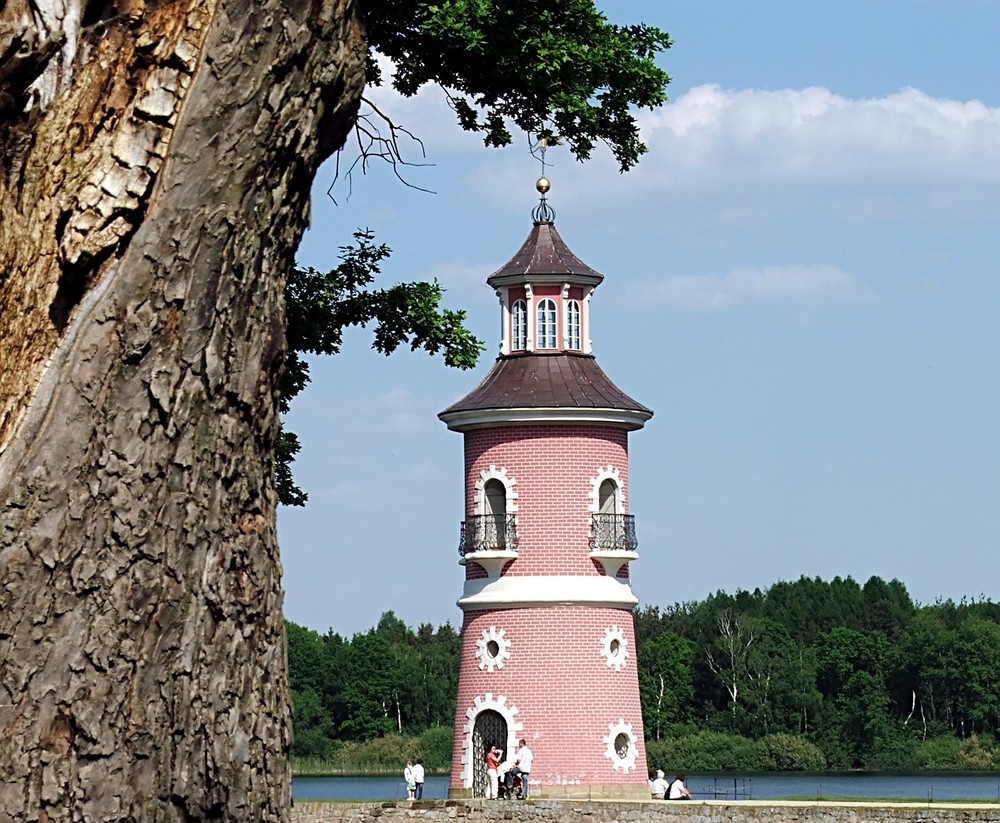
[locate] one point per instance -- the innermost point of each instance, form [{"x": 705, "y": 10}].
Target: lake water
[{"x": 724, "y": 787}]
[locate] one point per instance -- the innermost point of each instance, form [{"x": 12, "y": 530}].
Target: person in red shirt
[{"x": 492, "y": 764}]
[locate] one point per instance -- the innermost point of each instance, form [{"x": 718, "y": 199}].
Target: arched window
[
  {"x": 607, "y": 500},
  {"x": 519, "y": 326},
  {"x": 495, "y": 493},
  {"x": 546, "y": 324},
  {"x": 495, "y": 523},
  {"x": 573, "y": 324}
]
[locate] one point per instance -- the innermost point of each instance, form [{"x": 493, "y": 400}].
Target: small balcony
[
  {"x": 489, "y": 540},
  {"x": 612, "y": 541}
]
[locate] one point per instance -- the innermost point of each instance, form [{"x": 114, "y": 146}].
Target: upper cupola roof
[
  {"x": 546, "y": 372},
  {"x": 546, "y": 388},
  {"x": 544, "y": 258}
]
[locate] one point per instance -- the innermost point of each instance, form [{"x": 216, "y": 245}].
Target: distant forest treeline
[{"x": 805, "y": 675}]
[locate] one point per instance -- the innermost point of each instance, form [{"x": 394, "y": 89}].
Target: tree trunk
[{"x": 156, "y": 164}]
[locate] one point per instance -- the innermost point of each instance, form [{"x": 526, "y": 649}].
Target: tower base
[{"x": 567, "y": 793}]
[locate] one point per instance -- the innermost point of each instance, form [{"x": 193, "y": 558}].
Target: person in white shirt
[
  {"x": 522, "y": 766},
  {"x": 418, "y": 779},
  {"x": 677, "y": 790},
  {"x": 658, "y": 788},
  {"x": 411, "y": 786}
]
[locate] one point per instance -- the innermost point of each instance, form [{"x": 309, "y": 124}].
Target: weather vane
[{"x": 543, "y": 212}]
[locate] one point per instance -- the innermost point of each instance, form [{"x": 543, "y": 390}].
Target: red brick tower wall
[
  {"x": 551, "y": 466},
  {"x": 566, "y": 696}
]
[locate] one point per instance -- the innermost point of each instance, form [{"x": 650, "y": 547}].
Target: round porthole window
[
  {"x": 493, "y": 649},
  {"x": 622, "y": 742},
  {"x": 620, "y": 746},
  {"x": 614, "y": 648}
]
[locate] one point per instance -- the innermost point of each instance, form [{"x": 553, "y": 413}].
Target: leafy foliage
[
  {"x": 872, "y": 681},
  {"x": 389, "y": 681},
  {"x": 320, "y": 306},
  {"x": 435, "y": 747},
  {"x": 788, "y": 753},
  {"x": 556, "y": 69},
  {"x": 703, "y": 751},
  {"x": 665, "y": 681}
]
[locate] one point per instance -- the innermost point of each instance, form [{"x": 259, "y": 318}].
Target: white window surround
[
  {"x": 609, "y": 473},
  {"x": 488, "y": 660},
  {"x": 588, "y": 344},
  {"x": 529, "y": 299},
  {"x": 614, "y": 648},
  {"x": 493, "y": 473},
  {"x": 482, "y": 704},
  {"x": 611, "y": 752},
  {"x": 505, "y": 319}
]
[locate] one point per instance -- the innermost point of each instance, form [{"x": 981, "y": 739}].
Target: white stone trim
[
  {"x": 529, "y": 300},
  {"x": 615, "y": 659},
  {"x": 563, "y": 312},
  {"x": 493, "y": 473},
  {"x": 631, "y": 755},
  {"x": 506, "y": 330},
  {"x": 521, "y": 591},
  {"x": 629, "y": 419},
  {"x": 486, "y": 660},
  {"x": 585, "y": 341},
  {"x": 482, "y": 704},
  {"x": 609, "y": 473}
]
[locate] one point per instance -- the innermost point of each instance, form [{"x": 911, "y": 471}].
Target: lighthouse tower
[{"x": 548, "y": 644}]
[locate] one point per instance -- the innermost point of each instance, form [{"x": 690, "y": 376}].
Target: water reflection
[{"x": 771, "y": 786}]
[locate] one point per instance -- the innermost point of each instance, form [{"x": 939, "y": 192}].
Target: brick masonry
[
  {"x": 551, "y": 468},
  {"x": 555, "y": 683}
]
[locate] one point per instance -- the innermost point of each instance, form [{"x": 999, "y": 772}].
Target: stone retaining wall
[{"x": 555, "y": 811}]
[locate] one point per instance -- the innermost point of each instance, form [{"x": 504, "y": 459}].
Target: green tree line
[
  {"x": 372, "y": 701},
  {"x": 803, "y": 675}
]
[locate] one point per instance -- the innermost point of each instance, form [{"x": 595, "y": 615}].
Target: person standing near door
[
  {"x": 522, "y": 766},
  {"x": 492, "y": 764}
]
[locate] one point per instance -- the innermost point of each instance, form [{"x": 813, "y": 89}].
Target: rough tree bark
[{"x": 156, "y": 163}]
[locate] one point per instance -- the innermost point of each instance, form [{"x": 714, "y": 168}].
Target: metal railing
[
  {"x": 613, "y": 532},
  {"x": 488, "y": 533}
]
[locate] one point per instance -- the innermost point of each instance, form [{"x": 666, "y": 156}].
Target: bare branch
[{"x": 377, "y": 137}]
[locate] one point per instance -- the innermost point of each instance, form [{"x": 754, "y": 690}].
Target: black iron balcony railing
[
  {"x": 613, "y": 533},
  {"x": 488, "y": 533}
]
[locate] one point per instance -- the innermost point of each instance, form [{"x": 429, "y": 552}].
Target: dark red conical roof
[
  {"x": 563, "y": 386},
  {"x": 535, "y": 387},
  {"x": 544, "y": 256}
]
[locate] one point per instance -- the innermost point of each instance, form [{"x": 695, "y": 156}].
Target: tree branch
[{"x": 378, "y": 137}]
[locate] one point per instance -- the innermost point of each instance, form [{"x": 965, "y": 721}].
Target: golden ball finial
[{"x": 543, "y": 185}]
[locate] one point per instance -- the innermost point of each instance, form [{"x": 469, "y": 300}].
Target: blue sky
[{"x": 801, "y": 280}]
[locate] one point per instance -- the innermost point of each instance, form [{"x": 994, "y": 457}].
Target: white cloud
[
  {"x": 788, "y": 133},
  {"x": 798, "y": 284},
  {"x": 784, "y": 132}
]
